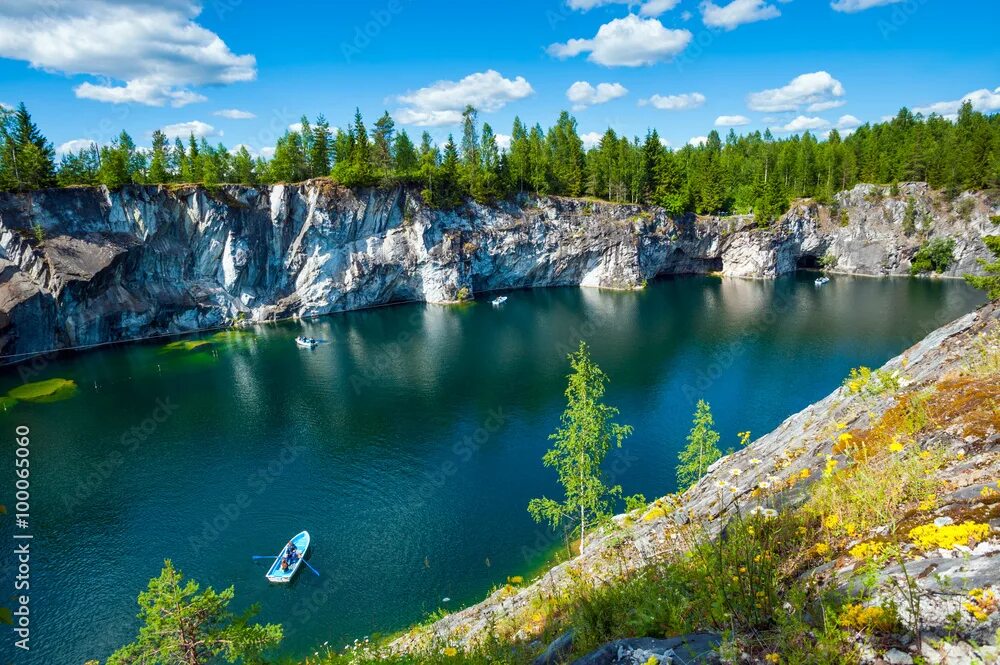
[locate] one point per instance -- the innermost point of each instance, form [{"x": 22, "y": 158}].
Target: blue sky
[{"x": 88, "y": 68}]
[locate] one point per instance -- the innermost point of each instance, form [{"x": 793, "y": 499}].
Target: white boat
[
  {"x": 307, "y": 342},
  {"x": 283, "y": 576},
  {"x": 820, "y": 281},
  {"x": 499, "y": 301}
]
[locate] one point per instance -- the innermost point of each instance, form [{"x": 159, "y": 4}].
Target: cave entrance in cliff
[{"x": 808, "y": 262}]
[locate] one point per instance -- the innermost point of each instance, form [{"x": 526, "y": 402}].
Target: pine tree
[
  {"x": 183, "y": 626},
  {"x": 320, "y": 150},
  {"x": 702, "y": 448},
  {"x": 990, "y": 282},
  {"x": 383, "y": 135},
  {"x": 405, "y": 156},
  {"x": 158, "y": 163},
  {"x": 586, "y": 433},
  {"x": 27, "y": 159},
  {"x": 243, "y": 167},
  {"x": 520, "y": 158}
]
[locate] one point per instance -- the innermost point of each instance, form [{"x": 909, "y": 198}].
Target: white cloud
[
  {"x": 819, "y": 107},
  {"x": 686, "y": 16},
  {"x": 736, "y": 13},
  {"x": 267, "y": 152},
  {"x": 732, "y": 121},
  {"x": 804, "y": 123},
  {"x": 813, "y": 89},
  {"x": 583, "y": 94},
  {"x": 851, "y": 6},
  {"x": 74, "y": 146},
  {"x": 684, "y": 102},
  {"x": 183, "y": 130},
  {"x": 647, "y": 8},
  {"x": 698, "y": 140},
  {"x": 503, "y": 141},
  {"x": 591, "y": 139},
  {"x": 984, "y": 100},
  {"x": 295, "y": 127},
  {"x": 235, "y": 114},
  {"x": 848, "y": 122},
  {"x": 627, "y": 42},
  {"x": 441, "y": 103},
  {"x": 427, "y": 118},
  {"x": 155, "y": 47}
]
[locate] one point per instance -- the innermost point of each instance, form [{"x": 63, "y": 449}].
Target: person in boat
[{"x": 284, "y": 565}]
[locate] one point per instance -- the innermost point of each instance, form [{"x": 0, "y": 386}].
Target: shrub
[
  {"x": 910, "y": 217},
  {"x": 844, "y": 220},
  {"x": 965, "y": 207},
  {"x": 464, "y": 294},
  {"x": 935, "y": 255},
  {"x": 828, "y": 262},
  {"x": 990, "y": 282}
]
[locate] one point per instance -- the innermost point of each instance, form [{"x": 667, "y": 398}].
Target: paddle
[
  {"x": 258, "y": 557},
  {"x": 309, "y": 566}
]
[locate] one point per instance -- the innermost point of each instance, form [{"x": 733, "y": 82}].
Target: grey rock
[
  {"x": 148, "y": 260},
  {"x": 692, "y": 649},
  {"x": 556, "y": 650},
  {"x": 897, "y": 657}
]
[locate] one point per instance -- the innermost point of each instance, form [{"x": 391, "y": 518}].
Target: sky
[{"x": 240, "y": 72}]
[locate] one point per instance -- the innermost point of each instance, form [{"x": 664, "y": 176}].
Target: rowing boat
[{"x": 279, "y": 576}]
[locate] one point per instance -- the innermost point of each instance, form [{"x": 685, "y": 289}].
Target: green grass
[{"x": 50, "y": 390}]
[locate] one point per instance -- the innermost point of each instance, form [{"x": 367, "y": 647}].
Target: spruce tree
[
  {"x": 27, "y": 159},
  {"x": 158, "y": 173},
  {"x": 702, "y": 448}
]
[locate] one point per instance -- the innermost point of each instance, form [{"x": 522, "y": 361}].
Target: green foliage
[
  {"x": 910, "y": 217},
  {"x": 702, "y": 448},
  {"x": 38, "y": 231},
  {"x": 586, "y": 433},
  {"x": 990, "y": 282},
  {"x": 843, "y": 219},
  {"x": 934, "y": 256},
  {"x": 828, "y": 262},
  {"x": 995, "y": 220},
  {"x": 26, "y": 157},
  {"x": 181, "y": 626}
]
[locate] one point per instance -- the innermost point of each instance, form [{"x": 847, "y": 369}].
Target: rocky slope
[
  {"x": 955, "y": 372},
  {"x": 85, "y": 266}
]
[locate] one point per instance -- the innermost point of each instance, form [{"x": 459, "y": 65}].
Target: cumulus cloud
[
  {"x": 851, "y": 6},
  {"x": 235, "y": 114},
  {"x": 74, "y": 146},
  {"x": 848, "y": 122},
  {"x": 736, "y": 13},
  {"x": 147, "y": 51},
  {"x": 627, "y": 42},
  {"x": 441, "y": 103},
  {"x": 984, "y": 100},
  {"x": 503, "y": 141},
  {"x": 646, "y": 8},
  {"x": 814, "y": 90},
  {"x": 732, "y": 121},
  {"x": 591, "y": 139},
  {"x": 583, "y": 94},
  {"x": 805, "y": 123},
  {"x": 185, "y": 129},
  {"x": 698, "y": 140},
  {"x": 683, "y": 102}
]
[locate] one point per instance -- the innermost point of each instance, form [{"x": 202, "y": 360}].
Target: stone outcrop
[
  {"x": 85, "y": 266},
  {"x": 966, "y": 434}
]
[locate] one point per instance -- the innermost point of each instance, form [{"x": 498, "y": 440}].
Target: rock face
[{"x": 85, "y": 266}]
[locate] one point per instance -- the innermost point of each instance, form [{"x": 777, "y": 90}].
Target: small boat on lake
[
  {"x": 280, "y": 575},
  {"x": 820, "y": 281},
  {"x": 307, "y": 342},
  {"x": 499, "y": 301}
]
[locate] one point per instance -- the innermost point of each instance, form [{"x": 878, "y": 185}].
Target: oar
[
  {"x": 260, "y": 556},
  {"x": 308, "y": 565}
]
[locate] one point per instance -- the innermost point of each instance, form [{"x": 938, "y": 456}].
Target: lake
[{"x": 408, "y": 445}]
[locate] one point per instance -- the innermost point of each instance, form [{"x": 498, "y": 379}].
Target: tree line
[{"x": 751, "y": 173}]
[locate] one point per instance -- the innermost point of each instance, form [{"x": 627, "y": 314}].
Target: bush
[
  {"x": 935, "y": 255},
  {"x": 844, "y": 220},
  {"x": 828, "y": 262}
]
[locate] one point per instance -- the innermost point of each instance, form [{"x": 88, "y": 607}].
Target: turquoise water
[{"x": 408, "y": 446}]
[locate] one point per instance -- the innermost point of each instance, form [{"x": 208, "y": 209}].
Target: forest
[{"x": 755, "y": 173}]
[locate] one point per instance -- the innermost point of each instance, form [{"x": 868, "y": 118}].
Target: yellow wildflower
[
  {"x": 850, "y": 528},
  {"x": 516, "y": 579},
  {"x": 865, "y": 551},
  {"x": 931, "y": 536},
  {"x": 988, "y": 492},
  {"x": 831, "y": 521},
  {"x": 895, "y": 446},
  {"x": 451, "y": 652},
  {"x": 925, "y": 454},
  {"x": 928, "y": 503},
  {"x": 831, "y": 465},
  {"x": 804, "y": 473},
  {"x": 821, "y": 549},
  {"x": 841, "y": 426},
  {"x": 845, "y": 438},
  {"x": 983, "y": 602},
  {"x": 866, "y": 619},
  {"x": 772, "y": 658}
]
